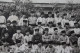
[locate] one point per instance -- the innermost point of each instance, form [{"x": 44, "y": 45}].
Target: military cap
[
  {"x": 50, "y": 22},
  {"x": 39, "y": 22},
  {"x": 63, "y": 31},
  {"x": 36, "y": 29},
  {"x": 24, "y": 20},
  {"x": 46, "y": 29},
  {"x": 55, "y": 29},
  {"x": 49, "y": 12},
  {"x": 59, "y": 23},
  {"x": 66, "y": 23}
]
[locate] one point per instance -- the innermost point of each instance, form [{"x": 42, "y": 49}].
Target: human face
[
  {"x": 50, "y": 15},
  {"x": 12, "y": 13},
  {"x": 56, "y": 31},
  {"x": 27, "y": 33},
  {"x": 46, "y": 32},
  {"x": 73, "y": 34},
  {"x": 32, "y": 14},
  {"x": 6, "y": 35},
  {"x": 36, "y": 32},
  {"x": 8, "y": 24},
  {"x": 59, "y": 26},
  {"x": 18, "y": 31},
  {"x": 19, "y": 44},
  {"x": 39, "y": 25},
  {"x": 42, "y": 15},
  {"x": 24, "y": 16},
  {"x": 39, "y": 44},
  {"x": 64, "y": 46},
  {"x": 67, "y": 26},
  {"x": 63, "y": 34},
  {"x": 76, "y": 25},
  {"x": 25, "y": 24},
  {"x": 50, "y": 25}
]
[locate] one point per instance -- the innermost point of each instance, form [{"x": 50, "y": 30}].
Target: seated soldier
[
  {"x": 59, "y": 25},
  {"x": 37, "y": 37},
  {"x": 18, "y": 48},
  {"x": 51, "y": 49},
  {"x": 76, "y": 28},
  {"x": 18, "y": 36},
  {"x": 12, "y": 48},
  {"x": 76, "y": 25},
  {"x": 75, "y": 49},
  {"x": 73, "y": 38},
  {"x": 57, "y": 47},
  {"x": 25, "y": 27},
  {"x": 9, "y": 29},
  {"x": 46, "y": 37},
  {"x": 6, "y": 40},
  {"x": 64, "y": 37},
  {"x": 56, "y": 35},
  {"x": 65, "y": 49},
  {"x": 60, "y": 28},
  {"x": 39, "y": 48},
  {"x": 31, "y": 49},
  {"x": 67, "y": 26},
  {"x": 27, "y": 37},
  {"x": 14, "y": 26}
]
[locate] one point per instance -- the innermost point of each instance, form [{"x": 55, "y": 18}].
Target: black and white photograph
[{"x": 39, "y": 26}]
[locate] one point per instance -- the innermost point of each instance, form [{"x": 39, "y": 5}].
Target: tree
[
  {"x": 24, "y": 4},
  {"x": 70, "y": 4}
]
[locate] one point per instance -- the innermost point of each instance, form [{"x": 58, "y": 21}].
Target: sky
[{"x": 49, "y": 1}]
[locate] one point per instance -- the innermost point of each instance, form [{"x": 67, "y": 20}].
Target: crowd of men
[{"x": 39, "y": 33}]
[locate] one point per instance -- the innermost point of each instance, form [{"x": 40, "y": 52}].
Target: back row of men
[{"x": 41, "y": 17}]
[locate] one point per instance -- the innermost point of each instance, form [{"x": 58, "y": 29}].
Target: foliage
[{"x": 24, "y": 4}]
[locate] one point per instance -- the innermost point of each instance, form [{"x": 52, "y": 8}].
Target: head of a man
[
  {"x": 40, "y": 44},
  {"x": 6, "y": 34},
  {"x": 72, "y": 33},
  {"x": 32, "y": 13},
  {"x": 59, "y": 25},
  {"x": 37, "y": 31},
  {"x": 13, "y": 13},
  {"x": 39, "y": 24},
  {"x": 46, "y": 31},
  {"x": 76, "y": 24},
  {"x": 18, "y": 30},
  {"x": 55, "y": 31},
  {"x": 25, "y": 22},
  {"x": 67, "y": 25},
  {"x": 8, "y": 23},
  {"x": 14, "y": 23},
  {"x": 42, "y": 14},
  {"x": 50, "y": 14},
  {"x": 27, "y": 33},
  {"x": 64, "y": 44},
  {"x": 63, "y": 33},
  {"x": 50, "y": 24}
]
